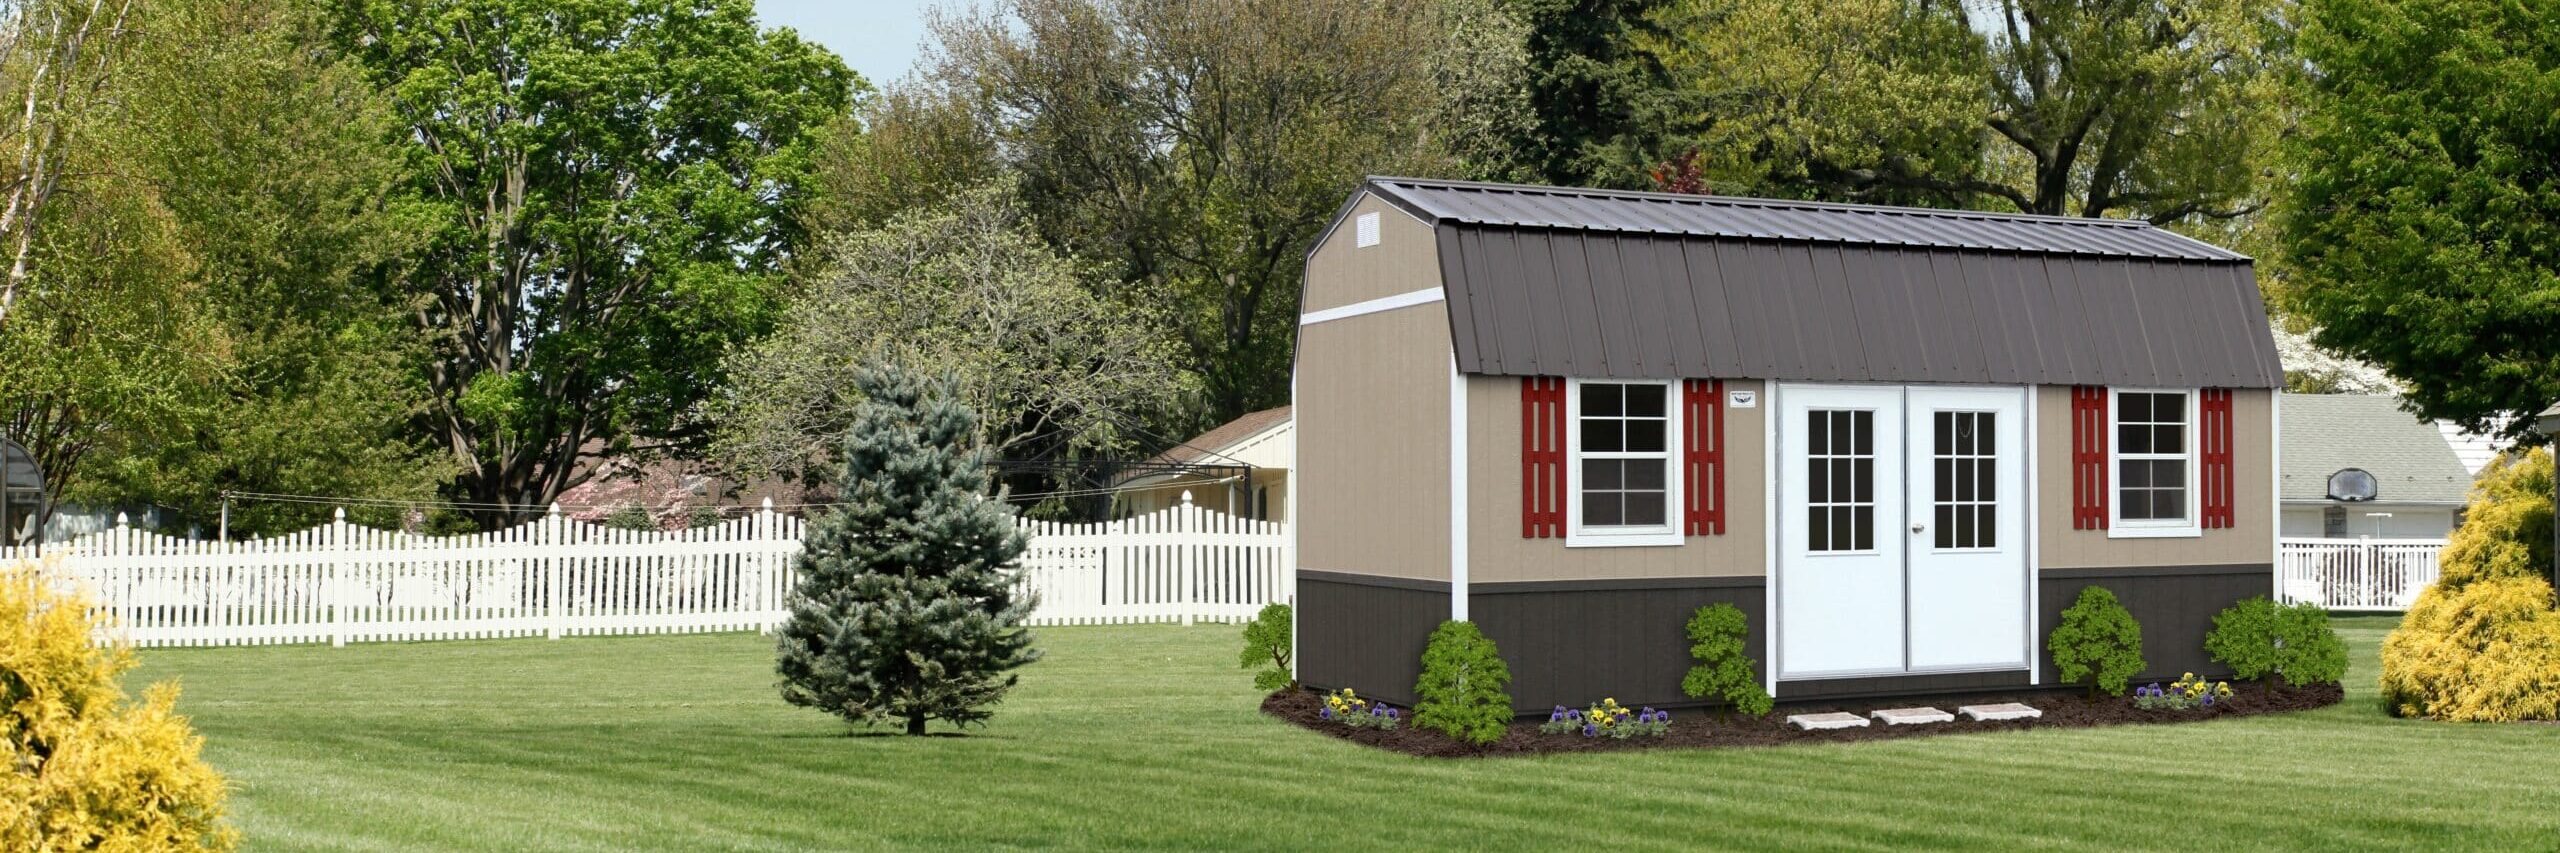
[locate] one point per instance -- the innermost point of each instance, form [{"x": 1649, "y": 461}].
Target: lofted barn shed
[{"x": 1900, "y": 440}]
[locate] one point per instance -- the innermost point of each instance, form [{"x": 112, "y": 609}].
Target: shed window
[
  {"x": 1623, "y": 487},
  {"x": 2154, "y": 461}
]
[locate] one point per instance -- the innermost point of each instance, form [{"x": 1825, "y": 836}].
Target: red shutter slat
[
  {"x": 1541, "y": 457},
  {"x": 1702, "y": 456},
  {"x": 2088, "y": 458},
  {"x": 2214, "y": 438}
]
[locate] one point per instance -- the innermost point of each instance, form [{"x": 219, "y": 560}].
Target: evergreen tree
[{"x": 905, "y": 608}]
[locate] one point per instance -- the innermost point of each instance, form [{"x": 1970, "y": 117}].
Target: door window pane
[
  {"x": 1966, "y": 466},
  {"x": 1840, "y": 475}
]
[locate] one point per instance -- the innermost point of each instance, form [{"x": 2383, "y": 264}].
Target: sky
[{"x": 878, "y": 38}]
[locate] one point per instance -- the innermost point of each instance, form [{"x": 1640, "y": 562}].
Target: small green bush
[
  {"x": 2258, "y": 638},
  {"x": 1461, "y": 690},
  {"x": 1724, "y": 672},
  {"x": 2097, "y": 641},
  {"x": 1266, "y": 645}
]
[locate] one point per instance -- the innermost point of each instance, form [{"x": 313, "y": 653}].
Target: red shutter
[
  {"x": 1702, "y": 456},
  {"x": 2088, "y": 458},
  {"x": 2214, "y": 439},
  {"x": 1541, "y": 457}
]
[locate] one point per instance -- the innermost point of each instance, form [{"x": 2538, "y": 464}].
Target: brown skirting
[
  {"x": 2175, "y": 604},
  {"x": 1366, "y": 632},
  {"x": 1576, "y": 642}
]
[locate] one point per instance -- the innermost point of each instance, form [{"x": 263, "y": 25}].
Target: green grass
[{"x": 1147, "y": 737}]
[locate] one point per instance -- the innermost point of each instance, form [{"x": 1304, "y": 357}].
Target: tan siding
[
  {"x": 1496, "y": 551},
  {"x": 1373, "y": 444},
  {"x": 1341, "y": 273},
  {"x": 2249, "y": 540}
]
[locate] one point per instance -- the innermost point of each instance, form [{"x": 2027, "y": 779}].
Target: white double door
[{"x": 1902, "y": 530}]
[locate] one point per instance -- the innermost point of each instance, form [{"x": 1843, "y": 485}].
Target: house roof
[
  {"x": 2408, "y": 457},
  {"x": 1212, "y": 447},
  {"x": 1544, "y": 281},
  {"x": 1209, "y": 445}
]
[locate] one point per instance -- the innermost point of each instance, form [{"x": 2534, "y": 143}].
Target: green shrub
[
  {"x": 2259, "y": 638},
  {"x": 2097, "y": 641},
  {"x": 630, "y": 517},
  {"x": 1724, "y": 672},
  {"x": 1461, "y": 690},
  {"x": 1266, "y": 645}
]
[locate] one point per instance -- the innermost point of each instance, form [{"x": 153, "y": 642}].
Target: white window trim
[
  {"x": 2117, "y": 527},
  {"x": 1673, "y": 445}
]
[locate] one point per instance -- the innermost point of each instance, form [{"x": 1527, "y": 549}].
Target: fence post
[
  {"x": 1186, "y": 544},
  {"x": 125, "y": 579},
  {"x": 338, "y": 579},
  {"x": 546, "y": 542},
  {"x": 761, "y": 605}
]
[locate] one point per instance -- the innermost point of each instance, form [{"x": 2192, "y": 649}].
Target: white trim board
[
  {"x": 1457, "y": 491},
  {"x": 1424, "y": 296}
]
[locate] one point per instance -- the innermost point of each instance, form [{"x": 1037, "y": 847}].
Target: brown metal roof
[
  {"x": 1551, "y": 282},
  {"x": 1770, "y": 219}
]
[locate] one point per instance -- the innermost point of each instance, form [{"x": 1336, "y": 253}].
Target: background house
[
  {"x": 2420, "y": 479},
  {"x": 1242, "y": 467}
]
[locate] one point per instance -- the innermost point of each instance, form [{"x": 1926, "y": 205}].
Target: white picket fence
[
  {"x": 2356, "y": 574},
  {"x": 341, "y": 582}
]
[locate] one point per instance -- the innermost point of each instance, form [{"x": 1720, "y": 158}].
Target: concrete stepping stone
[
  {"x": 1833, "y": 720},
  {"x": 1996, "y": 713},
  {"x": 1913, "y": 716}
]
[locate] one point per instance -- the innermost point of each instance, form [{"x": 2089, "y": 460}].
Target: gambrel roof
[{"x": 1546, "y": 281}]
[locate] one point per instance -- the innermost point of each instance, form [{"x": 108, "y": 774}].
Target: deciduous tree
[
  {"x": 2161, "y": 109},
  {"x": 2424, "y": 230},
  {"x": 1050, "y": 364},
  {"x": 1197, "y": 147},
  {"x": 610, "y": 182}
]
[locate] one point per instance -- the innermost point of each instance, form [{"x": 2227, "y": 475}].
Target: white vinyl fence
[
  {"x": 2356, "y": 574},
  {"x": 341, "y": 582}
]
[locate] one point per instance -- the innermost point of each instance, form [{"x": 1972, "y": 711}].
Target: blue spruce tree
[{"x": 905, "y": 610}]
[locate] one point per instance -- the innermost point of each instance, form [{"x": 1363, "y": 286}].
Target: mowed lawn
[{"x": 1148, "y": 737}]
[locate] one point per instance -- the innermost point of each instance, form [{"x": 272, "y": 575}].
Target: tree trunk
[{"x": 915, "y": 724}]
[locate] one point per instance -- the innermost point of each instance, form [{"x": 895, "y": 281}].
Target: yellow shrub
[
  {"x": 80, "y": 767},
  {"x": 2487, "y": 651},
  {"x": 2483, "y": 644},
  {"x": 2506, "y": 531}
]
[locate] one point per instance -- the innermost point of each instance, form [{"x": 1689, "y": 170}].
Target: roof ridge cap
[{"x": 1755, "y": 201}]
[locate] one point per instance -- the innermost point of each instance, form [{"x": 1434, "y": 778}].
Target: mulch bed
[{"x": 1699, "y": 728}]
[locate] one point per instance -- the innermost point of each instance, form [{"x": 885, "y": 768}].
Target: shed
[{"x": 1900, "y": 440}]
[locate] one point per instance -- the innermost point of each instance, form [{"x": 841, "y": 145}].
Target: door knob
[{"x": 1918, "y": 528}]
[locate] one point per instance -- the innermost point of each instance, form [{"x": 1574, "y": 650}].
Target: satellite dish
[{"x": 2353, "y": 485}]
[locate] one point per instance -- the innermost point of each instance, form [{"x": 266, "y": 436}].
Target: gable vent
[{"x": 1368, "y": 230}]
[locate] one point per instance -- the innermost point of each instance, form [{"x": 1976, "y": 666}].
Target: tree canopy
[
  {"x": 609, "y": 184},
  {"x": 1050, "y": 364},
  {"x": 2162, "y": 109},
  {"x": 1196, "y": 148},
  {"x": 2425, "y": 227}
]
